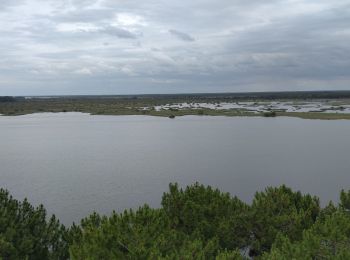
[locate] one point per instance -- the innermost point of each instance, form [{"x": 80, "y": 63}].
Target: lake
[{"x": 76, "y": 163}]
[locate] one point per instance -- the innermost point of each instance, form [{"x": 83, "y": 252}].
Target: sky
[{"x": 69, "y": 47}]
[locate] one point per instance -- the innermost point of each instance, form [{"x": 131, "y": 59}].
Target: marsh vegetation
[{"x": 310, "y": 105}]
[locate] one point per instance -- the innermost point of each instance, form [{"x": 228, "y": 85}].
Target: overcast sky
[{"x": 171, "y": 46}]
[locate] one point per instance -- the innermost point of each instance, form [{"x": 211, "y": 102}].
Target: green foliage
[
  {"x": 26, "y": 234},
  {"x": 129, "y": 235},
  {"x": 280, "y": 210},
  {"x": 230, "y": 255},
  {"x": 192, "y": 249},
  {"x": 205, "y": 213},
  {"x": 327, "y": 211},
  {"x": 345, "y": 200},
  {"x": 327, "y": 239},
  {"x": 197, "y": 222},
  {"x": 270, "y": 114},
  {"x": 143, "y": 234},
  {"x": 200, "y": 112}
]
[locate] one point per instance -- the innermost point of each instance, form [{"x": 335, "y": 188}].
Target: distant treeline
[
  {"x": 198, "y": 222},
  {"x": 7, "y": 99},
  {"x": 255, "y": 95},
  {"x": 210, "y": 96}
]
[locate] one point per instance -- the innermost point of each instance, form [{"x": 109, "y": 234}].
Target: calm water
[{"x": 76, "y": 163}]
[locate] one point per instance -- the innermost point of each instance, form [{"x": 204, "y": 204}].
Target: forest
[{"x": 196, "y": 222}]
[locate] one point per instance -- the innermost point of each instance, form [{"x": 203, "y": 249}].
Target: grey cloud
[
  {"x": 240, "y": 46},
  {"x": 182, "y": 36},
  {"x": 83, "y": 3},
  {"x": 5, "y": 4},
  {"x": 83, "y": 15},
  {"x": 120, "y": 33}
]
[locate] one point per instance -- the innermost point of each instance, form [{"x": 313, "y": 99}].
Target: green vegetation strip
[
  {"x": 136, "y": 106},
  {"x": 194, "y": 223}
]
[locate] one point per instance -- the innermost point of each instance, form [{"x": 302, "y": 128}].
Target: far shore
[
  {"x": 192, "y": 112},
  {"x": 306, "y": 105}
]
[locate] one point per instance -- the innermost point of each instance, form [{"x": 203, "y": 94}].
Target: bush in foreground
[
  {"x": 197, "y": 222},
  {"x": 25, "y": 233}
]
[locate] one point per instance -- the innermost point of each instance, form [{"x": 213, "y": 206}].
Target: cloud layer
[{"x": 119, "y": 47}]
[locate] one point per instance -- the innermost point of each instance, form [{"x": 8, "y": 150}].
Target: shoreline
[{"x": 194, "y": 112}]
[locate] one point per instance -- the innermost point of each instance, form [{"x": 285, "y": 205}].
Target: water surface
[{"x": 76, "y": 163}]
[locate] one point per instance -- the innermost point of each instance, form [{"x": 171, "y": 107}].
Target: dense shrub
[
  {"x": 326, "y": 239},
  {"x": 280, "y": 210},
  {"x": 25, "y": 233},
  {"x": 270, "y": 114},
  {"x": 197, "y": 222},
  {"x": 207, "y": 213}
]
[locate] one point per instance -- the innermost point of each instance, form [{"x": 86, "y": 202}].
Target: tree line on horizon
[
  {"x": 197, "y": 222},
  {"x": 7, "y": 99}
]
